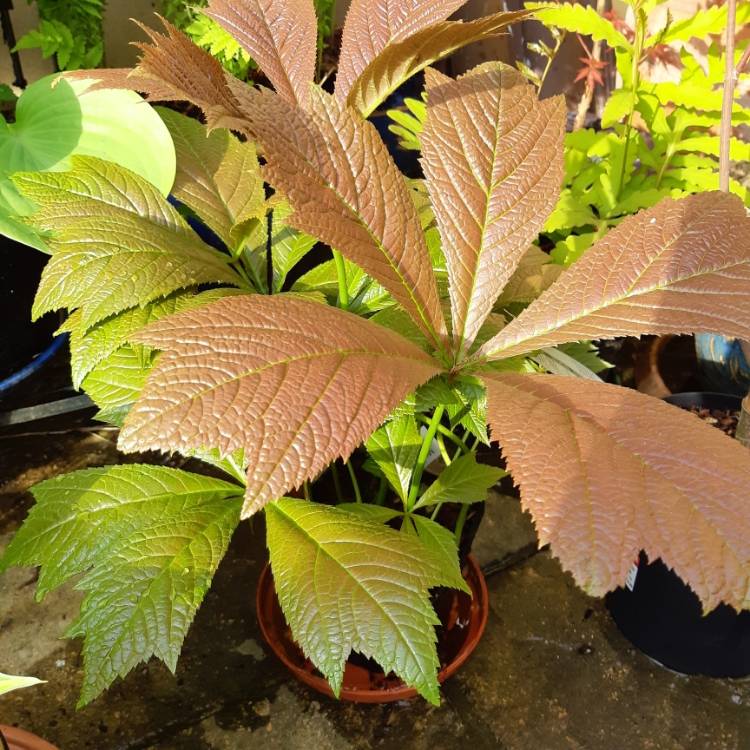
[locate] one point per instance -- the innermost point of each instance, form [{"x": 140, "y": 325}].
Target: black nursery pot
[{"x": 662, "y": 616}]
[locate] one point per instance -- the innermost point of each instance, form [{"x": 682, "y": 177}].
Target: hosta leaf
[
  {"x": 680, "y": 267},
  {"x": 394, "y": 447},
  {"x": 148, "y": 540},
  {"x": 348, "y": 584},
  {"x": 218, "y": 176},
  {"x": 580, "y": 19},
  {"x": 462, "y": 481},
  {"x": 294, "y": 383},
  {"x": 117, "y": 242},
  {"x": 118, "y": 380},
  {"x": 280, "y": 35},
  {"x": 345, "y": 189},
  {"x": 161, "y": 76},
  {"x": 492, "y": 156},
  {"x": 402, "y": 59},
  {"x": 10, "y": 682},
  {"x": 371, "y": 26},
  {"x": 614, "y": 471}
]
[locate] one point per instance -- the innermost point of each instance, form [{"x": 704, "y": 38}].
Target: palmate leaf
[
  {"x": 492, "y": 156},
  {"x": 295, "y": 383},
  {"x": 346, "y": 190},
  {"x": 347, "y": 584},
  {"x": 680, "y": 267},
  {"x": 402, "y": 59},
  {"x": 614, "y": 471},
  {"x": 116, "y": 241},
  {"x": 147, "y": 539},
  {"x": 371, "y": 25},
  {"x": 218, "y": 177},
  {"x": 172, "y": 68},
  {"x": 280, "y": 35}
]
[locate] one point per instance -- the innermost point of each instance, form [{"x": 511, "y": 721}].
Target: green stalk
[
  {"x": 443, "y": 451},
  {"x": 306, "y": 489},
  {"x": 424, "y": 451},
  {"x": 355, "y": 483},
  {"x": 460, "y": 522},
  {"x": 338, "y": 260},
  {"x": 337, "y": 483},
  {"x": 446, "y": 433},
  {"x": 382, "y": 490}
]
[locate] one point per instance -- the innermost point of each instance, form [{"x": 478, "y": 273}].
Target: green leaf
[
  {"x": 118, "y": 380},
  {"x": 394, "y": 447},
  {"x": 463, "y": 481},
  {"x": 580, "y": 19},
  {"x": 442, "y": 543},
  {"x": 619, "y": 105},
  {"x": 369, "y": 512},
  {"x": 218, "y": 177},
  {"x": 10, "y": 682},
  {"x": 700, "y": 24},
  {"x": 148, "y": 540},
  {"x": 347, "y": 584},
  {"x": 571, "y": 211},
  {"x": 558, "y": 362},
  {"x": 116, "y": 243}
]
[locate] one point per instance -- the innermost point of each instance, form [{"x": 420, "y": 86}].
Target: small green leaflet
[
  {"x": 463, "y": 481},
  {"x": 10, "y": 682},
  {"x": 347, "y": 584},
  {"x": 116, "y": 243},
  {"x": 118, "y": 380},
  {"x": 147, "y": 540},
  {"x": 580, "y": 19},
  {"x": 395, "y": 447}
]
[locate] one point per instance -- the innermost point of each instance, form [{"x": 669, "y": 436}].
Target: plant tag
[{"x": 631, "y": 576}]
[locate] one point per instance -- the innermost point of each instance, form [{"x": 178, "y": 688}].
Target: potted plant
[
  {"x": 12, "y": 738},
  {"x": 274, "y": 388}
]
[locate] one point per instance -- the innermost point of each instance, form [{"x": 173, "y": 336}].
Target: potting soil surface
[{"x": 552, "y": 671}]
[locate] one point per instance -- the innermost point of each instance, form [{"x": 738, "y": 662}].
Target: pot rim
[
  {"x": 20, "y": 739},
  {"x": 266, "y": 594}
]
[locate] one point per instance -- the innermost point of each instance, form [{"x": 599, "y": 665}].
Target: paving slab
[{"x": 552, "y": 671}]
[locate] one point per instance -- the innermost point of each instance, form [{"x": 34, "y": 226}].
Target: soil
[{"x": 723, "y": 419}]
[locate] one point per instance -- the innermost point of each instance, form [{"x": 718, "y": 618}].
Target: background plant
[
  {"x": 274, "y": 387},
  {"x": 71, "y": 31}
]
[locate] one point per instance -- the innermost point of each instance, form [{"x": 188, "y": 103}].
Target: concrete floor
[{"x": 551, "y": 673}]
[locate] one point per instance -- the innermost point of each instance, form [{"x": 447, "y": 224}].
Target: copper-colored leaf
[
  {"x": 681, "y": 267},
  {"x": 345, "y": 189},
  {"x": 173, "y": 68},
  {"x": 493, "y": 160},
  {"x": 294, "y": 383},
  {"x": 403, "y": 58},
  {"x": 610, "y": 471},
  {"x": 371, "y": 25},
  {"x": 280, "y": 35}
]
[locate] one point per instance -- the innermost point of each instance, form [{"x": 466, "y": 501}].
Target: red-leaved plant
[{"x": 281, "y": 386}]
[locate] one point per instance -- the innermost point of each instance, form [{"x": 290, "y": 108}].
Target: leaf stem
[
  {"x": 355, "y": 483},
  {"x": 424, "y": 451},
  {"x": 306, "y": 489},
  {"x": 460, "y": 522},
  {"x": 338, "y": 260},
  {"x": 443, "y": 451},
  {"x": 730, "y": 78},
  {"x": 445, "y": 432},
  {"x": 382, "y": 490},
  {"x": 337, "y": 483}
]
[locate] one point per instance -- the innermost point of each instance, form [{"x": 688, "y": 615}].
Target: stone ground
[{"x": 552, "y": 672}]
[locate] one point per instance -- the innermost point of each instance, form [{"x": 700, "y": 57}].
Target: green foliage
[
  {"x": 658, "y": 139},
  {"x": 56, "y": 122},
  {"x": 70, "y": 31},
  {"x": 143, "y": 542},
  {"x": 339, "y": 578},
  {"x": 10, "y": 682}
]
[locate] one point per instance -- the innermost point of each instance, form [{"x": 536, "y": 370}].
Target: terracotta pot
[
  {"x": 17, "y": 739},
  {"x": 362, "y": 683}
]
